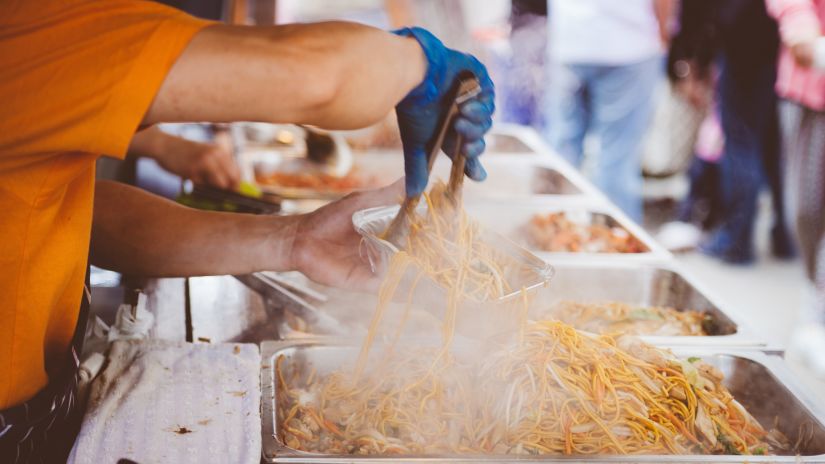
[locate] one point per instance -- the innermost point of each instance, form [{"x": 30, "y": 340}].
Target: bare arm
[
  {"x": 664, "y": 11},
  {"x": 203, "y": 163},
  {"x": 135, "y": 232},
  {"x": 399, "y": 12},
  {"x": 336, "y": 75},
  {"x": 799, "y": 27}
]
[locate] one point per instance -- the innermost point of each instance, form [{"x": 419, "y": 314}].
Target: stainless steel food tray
[
  {"x": 342, "y": 312},
  {"x": 510, "y": 217},
  {"x": 515, "y": 175},
  {"x": 647, "y": 284},
  {"x": 760, "y": 382},
  {"x": 585, "y": 281},
  {"x": 508, "y": 175},
  {"x": 520, "y": 176},
  {"x": 512, "y": 138}
]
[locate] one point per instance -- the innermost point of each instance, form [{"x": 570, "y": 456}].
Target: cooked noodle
[{"x": 550, "y": 390}]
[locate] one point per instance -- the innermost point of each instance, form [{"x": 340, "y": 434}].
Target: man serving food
[{"x": 78, "y": 79}]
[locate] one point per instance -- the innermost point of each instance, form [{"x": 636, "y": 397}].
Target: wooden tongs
[{"x": 465, "y": 87}]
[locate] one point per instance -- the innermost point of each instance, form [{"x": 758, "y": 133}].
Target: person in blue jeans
[
  {"x": 748, "y": 111},
  {"x": 615, "y": 102},
  {"x": 606, "y": 60},
  {"x": 521, "y": 79},
  {"x": 742, "y": 41}
]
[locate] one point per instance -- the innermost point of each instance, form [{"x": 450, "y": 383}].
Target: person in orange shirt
[{"x": 78, "y": 78}]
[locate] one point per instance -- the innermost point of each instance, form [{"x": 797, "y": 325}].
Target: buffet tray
[
  {"x": 760, "y": 382},
  {"x": 646, "y": 284},
  {"x": 511, "y": 219},
  {"x": 514, "y": 175},
  {"x": 513, "y": 138},
  {"x": 520, "y": 176},
  {"x": 584, "y": 281}
]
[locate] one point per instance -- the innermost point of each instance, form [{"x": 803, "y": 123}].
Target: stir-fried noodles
[
  {"x": 559, "y": 391},
  {"x": 613, "y": 317},
  {"x": 550, "y": 390}
]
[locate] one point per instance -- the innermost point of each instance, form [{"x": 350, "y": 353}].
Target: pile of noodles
[{"x": 549, "y": 390}]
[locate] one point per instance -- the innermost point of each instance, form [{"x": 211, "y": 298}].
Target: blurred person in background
[
  {"x": 702, "y": 209},
  {"x": 731, "y": 45},
  {"x": 605, "y": 62},
  {"x": 522, "y": 79},
  {"x": 801, "y": 85}
]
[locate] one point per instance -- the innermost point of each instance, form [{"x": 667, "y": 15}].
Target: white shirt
[{"x": 608, "y": 32}]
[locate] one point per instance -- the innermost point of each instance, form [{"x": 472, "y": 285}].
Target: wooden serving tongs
[{"x": 465, "y": 87}]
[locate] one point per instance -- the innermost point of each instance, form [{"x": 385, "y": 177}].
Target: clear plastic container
[{"x": 522, "y": 270}]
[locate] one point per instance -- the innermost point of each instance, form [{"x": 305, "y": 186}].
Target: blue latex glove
[{"x": 418, "y": 113}]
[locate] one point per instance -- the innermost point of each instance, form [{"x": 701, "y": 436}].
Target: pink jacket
[{"x": 799, "y": 20}]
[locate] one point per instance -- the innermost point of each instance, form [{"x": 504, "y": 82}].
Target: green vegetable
[
  {"x": 644, "y": 314},
  {"x": 249, "y": 189},
  {"x": 761, "y": 451},
  {"x": 691, "y": 373},
  {"x": 693, "y": 359},
  {"x": 725, "y": 441}
]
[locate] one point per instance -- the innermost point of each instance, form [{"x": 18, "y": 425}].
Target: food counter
[{"x": 609, "y": 276}]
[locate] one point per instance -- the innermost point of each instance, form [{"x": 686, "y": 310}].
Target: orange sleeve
[{"x": 79, "y": 75}]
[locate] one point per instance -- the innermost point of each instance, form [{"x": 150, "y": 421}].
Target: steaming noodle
[
  {"x": 553, "y": 390},
  {"x": 444, "y": 245}
]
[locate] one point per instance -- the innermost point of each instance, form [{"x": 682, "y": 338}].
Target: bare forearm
[
  {"x": 200, "y": 162},
  {"x": 664, "y": 11},
  {"x": 135, "y": 232},
  {"x": 153, "y": 143},
  {"x": 334, "y": 75}
]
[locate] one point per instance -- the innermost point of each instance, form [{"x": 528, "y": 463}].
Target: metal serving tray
[
  {"x": 515, "y": 175},
  {"x": 508, "y": 175},
  {"x": 506, "y": 143},
  {"x": 512, "y": 138},
  {"x": 760, "y": 382},
  {"x": 510, "y": 218},
  {"x": 585, "y": 281},
  {"x": 645, "y": 284},
  {"x": 520, "y": 176},
  {"x": 340, "y": 313}
]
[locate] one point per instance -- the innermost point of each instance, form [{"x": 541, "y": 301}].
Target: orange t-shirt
[{"x": 76, "y": 78}]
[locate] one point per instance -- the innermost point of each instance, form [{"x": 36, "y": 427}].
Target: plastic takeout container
[{"x": 522, "y": 270}]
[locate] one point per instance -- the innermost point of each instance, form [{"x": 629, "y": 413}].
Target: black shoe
[{"x": 782, "y": 246}]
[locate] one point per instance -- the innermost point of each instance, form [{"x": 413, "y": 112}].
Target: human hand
[
  {"x": 691, "y": 82},
  {"x": 803, "y": 53},
  {"x": 326, "y": 247},
  {"x": 696, "y": 92},
  {"x": 418, "y": 113},
  {"x": 203, "y": 163}
]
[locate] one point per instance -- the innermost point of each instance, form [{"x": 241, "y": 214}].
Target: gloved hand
[{"x": 418, "y": 113}]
